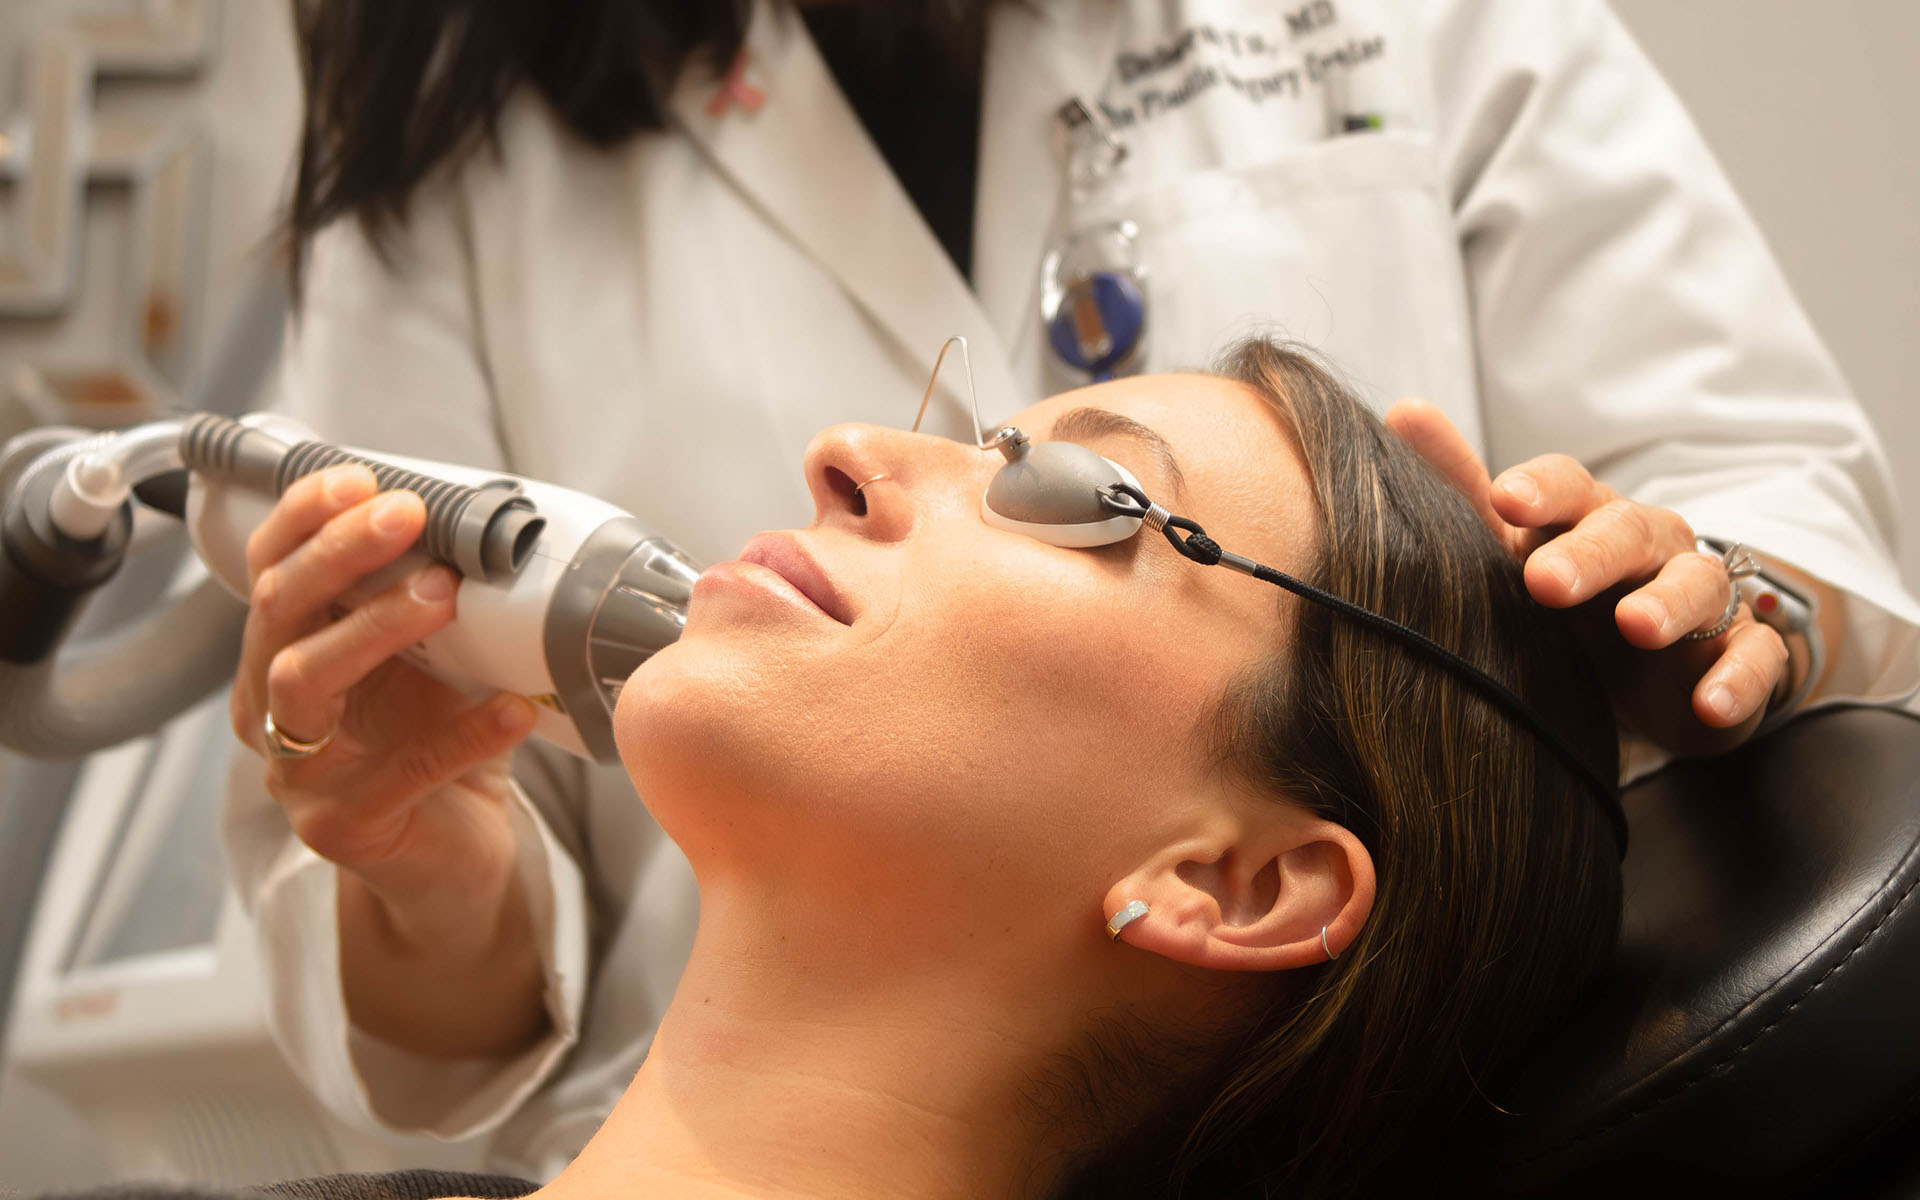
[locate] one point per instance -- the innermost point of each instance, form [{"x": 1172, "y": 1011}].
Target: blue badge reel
[{"x": 1093, "y": 300}]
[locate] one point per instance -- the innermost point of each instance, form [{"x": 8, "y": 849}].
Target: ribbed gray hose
[
  {"x": 483, "y": 532},
  {"x": 123, "y": 685}
]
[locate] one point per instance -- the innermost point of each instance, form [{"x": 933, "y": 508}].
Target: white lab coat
[{"x": 1537, "y": 241}]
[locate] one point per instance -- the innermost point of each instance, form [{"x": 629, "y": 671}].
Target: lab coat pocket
[{"x": 1347, "y": 246}]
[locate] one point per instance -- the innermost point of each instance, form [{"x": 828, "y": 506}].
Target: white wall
[
  {"x": 245, "y": 104},
  {"x": 1813, "y": 107}
]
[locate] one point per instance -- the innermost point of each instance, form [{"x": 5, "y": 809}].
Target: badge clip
[{"x": 1093, "y": 296}]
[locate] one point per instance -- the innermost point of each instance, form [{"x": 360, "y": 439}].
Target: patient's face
[{"x": 962, "y": 716}]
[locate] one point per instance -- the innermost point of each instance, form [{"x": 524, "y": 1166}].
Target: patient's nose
[{"x": 880, "y": 481}]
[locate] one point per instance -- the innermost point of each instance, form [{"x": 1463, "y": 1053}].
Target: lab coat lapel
[
  {"x": 1039, "y": 55},
  {"x": 809, "y": 166}
]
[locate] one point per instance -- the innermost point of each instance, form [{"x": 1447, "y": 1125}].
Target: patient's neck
[{"x": 804, "y": 1056}]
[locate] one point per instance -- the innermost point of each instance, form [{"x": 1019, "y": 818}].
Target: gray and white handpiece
[{"x": 561, "y": 595}]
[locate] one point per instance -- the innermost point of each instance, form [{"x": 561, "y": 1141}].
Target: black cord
[{"x": 1197, "y": 546}]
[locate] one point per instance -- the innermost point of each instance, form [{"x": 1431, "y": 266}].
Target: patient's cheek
[{"x": 1118, "y": 664}]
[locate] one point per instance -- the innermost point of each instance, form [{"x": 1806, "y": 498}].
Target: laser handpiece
[{"x": 561, "y": 595}]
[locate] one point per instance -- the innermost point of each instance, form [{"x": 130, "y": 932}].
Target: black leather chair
[{"x": 1759, "y": 1031}]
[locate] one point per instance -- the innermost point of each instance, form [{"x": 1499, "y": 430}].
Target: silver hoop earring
[
  {"x": 1130, "y": 912},
  {"x": 1323, "y": 944}
]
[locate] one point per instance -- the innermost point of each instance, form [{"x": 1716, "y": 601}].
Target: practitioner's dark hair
[
  {"x": 1497, "y": 869},
  {"x": 395, "y": 89}
]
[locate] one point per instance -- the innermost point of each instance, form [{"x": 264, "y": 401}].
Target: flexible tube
[
  {"x": 108, "y": 689},
  {"x": 124, "y": 685}
]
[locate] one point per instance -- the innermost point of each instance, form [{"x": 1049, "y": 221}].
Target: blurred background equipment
[
  {"x": 138, "y": 1010},
  {"x": 107, "y": 220},
  {"x": 144, "y": 145}
]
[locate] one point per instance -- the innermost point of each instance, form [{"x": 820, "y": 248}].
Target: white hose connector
[
  {"x": 87, "y": 496},
  {"x": 98, "y": 479}
]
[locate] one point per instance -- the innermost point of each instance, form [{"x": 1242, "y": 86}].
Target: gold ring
[
  {"x": 279, "y": 745},
  {"x": 862, "y": 485}
]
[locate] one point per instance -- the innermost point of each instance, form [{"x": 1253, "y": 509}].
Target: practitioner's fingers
[
  {"x": 1548, "y": 490},
  {"x": 1435, "y": 438},
  {"x": 443, "y": 754},
  {"x": 1689, "y": 593},
  {"x": 1620, "y": 542},
  {"x": 308, "y": 681},
  {"x": 362, "y": 817},
  {"x": 307, "y": 504},
  {"x": 295, "y": 595},
  {"x": 1735, "y": 690}
]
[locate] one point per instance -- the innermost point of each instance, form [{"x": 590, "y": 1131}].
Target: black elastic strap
[{"x": 1192, "y": 542}]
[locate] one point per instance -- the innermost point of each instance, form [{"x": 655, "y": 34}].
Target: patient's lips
[{"x": 783, "y": 554}]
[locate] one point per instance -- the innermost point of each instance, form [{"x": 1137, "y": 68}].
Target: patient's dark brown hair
[{"x": 1497, "y": 869}]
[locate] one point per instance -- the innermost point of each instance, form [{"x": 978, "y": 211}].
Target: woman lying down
[{"x": 1031, "y": 871}]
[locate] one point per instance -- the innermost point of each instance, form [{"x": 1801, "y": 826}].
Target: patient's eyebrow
[{"x": 1083, "y": 423}]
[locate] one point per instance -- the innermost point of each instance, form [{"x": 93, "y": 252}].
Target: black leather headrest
[{"x": 1760, "y": 1024}]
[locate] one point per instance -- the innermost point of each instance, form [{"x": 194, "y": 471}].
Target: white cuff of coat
[{"x": 367, "y": 1081}]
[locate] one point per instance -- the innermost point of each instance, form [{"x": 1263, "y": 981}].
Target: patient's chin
[
  {"x": 668, "y": 711},
  {"x": 702, "y": 730},
  {"x": 750, "y": 765}
]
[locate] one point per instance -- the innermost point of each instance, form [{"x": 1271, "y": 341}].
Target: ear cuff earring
[{"x": 1130, "y": 912}]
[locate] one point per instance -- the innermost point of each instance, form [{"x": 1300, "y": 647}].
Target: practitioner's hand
[
  {"x": 411, "y": 795},
  {"x": 1635, "y": 570}
]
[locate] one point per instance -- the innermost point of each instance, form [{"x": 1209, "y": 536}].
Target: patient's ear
[{"x": 1250, "y": 891}]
